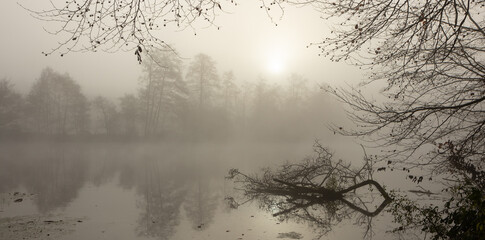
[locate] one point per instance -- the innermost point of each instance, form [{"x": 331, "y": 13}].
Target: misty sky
[{"x": 248, "y": 43}]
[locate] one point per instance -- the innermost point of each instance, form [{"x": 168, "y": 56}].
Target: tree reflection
[
  {"x": 201, "y": 204},
  {"x": 317, "y": 191},
  {"x": 53, "y": 172},
  {"x": 162, "y": 197}
]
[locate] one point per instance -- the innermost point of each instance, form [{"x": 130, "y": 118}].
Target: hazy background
[
  {"x": 74, "y": 178},
  {"x": 247, "y": 43}
]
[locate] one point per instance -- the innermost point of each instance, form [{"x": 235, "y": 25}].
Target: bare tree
[
  {"x": 129, "y": 114},
  {"x": 163, "y": 87},
  {"x": 430, "y": 55},
  {"x": 56, "y": 105},
  {"x": 106, "y": 114},
  {"x": 11, "y": 107},
  {"x": 110, "y": 25},
  {"x": 315, "y": 191},
  {"x": 203, "y": 79}
]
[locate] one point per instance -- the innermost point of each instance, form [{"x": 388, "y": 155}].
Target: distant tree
[
  {"x": 56, "y": 105},
  {"x": 297, "y": 91},
  {"x": 12, "y": 108},
  {"x": 266, "y": 109},
  {"x": 243, "y": 103},
  {"x": 163, "y": 88},
  {"x": 81, "y": 119},
  {"x": 129, "y": 114},
  {"x": 106, "y": 114},
  {"x": 230, "y": 91},
  {"x": 203, "y": 80}
]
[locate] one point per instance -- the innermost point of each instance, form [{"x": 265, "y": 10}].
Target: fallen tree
[{"x": 317, "y": 190}]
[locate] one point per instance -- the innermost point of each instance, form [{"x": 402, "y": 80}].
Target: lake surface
[{"x": 145, "y": 191}]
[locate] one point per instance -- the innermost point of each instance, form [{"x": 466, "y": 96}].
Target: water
[{"x": 165, "y": 190}]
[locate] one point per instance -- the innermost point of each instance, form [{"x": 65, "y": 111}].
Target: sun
[
  {"x": 275, "y": 65},
  {"x": 276, "y": 59}
]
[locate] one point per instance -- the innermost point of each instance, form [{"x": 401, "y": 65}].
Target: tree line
[{"x": 173, "y": 100}]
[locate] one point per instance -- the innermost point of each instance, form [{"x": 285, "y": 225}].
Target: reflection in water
[
  {"x": 57, "y": 179},
  {"x": 201, "y": 204},
  {"x": 163, "y": 196},
  {"x": 172, "y": 191},
  {"x": 317, "y": 191},
  {"x": 53, "y": 173}
]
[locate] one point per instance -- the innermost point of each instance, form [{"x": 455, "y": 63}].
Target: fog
[{"x": 99, "y": 146}]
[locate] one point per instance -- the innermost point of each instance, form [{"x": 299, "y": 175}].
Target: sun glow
[
  {"x": 276, "y": 59},
  {"x": 275, "y": 65}
]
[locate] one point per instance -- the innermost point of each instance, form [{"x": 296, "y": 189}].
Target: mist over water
[
  {"x": 154, "y": 164},
  {"x": 97, "y": 146},
  {"x": 161, "y": 190}
]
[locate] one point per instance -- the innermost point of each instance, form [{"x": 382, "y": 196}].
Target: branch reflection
[{"x": 317, "y": 191}]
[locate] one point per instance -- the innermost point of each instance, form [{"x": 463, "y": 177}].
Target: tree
[
  {"x": 110, "y": 25},
  {"x": 56, "y": 105},
  {"x": 297, "y": 90},
  {"x": 230, "y": 91},
  {"x": 129, "y": 114},
  {"x": 430, "y": 53},
  {"x": 106, "y": 114},
  {"x": 203, "y": 79},
  {"x": 317, "y": 190},
  {"x": 11, "y": 107},
  {"x": 266, "y": 109},
  {"x": 430, "y": 56},
  {"x": 163, "y": 89},
  {"x": 461, "y": 217}
]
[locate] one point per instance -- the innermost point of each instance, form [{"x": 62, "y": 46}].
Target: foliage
[{"x": 461, "y": 217}]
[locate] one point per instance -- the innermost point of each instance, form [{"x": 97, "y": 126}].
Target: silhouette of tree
[
  {"x": 461, "y": 216},
  {"x": 317, "y": 191},
  {"x": 12, "y": 108},
  {"x": 164, "y": 89},
  {"x": 129, "y": 114},
  {"x": 56, "y": 105},
  {"x": 112, "y": 25},
  {"x": 430, "y": 54},
  {"x": 230, "y": 92},
  {"x": 106, "y": 114},
  {"x": 203, "y": 80}
]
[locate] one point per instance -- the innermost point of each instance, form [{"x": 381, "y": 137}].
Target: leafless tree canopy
[{"x": 430, "y": 54}]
